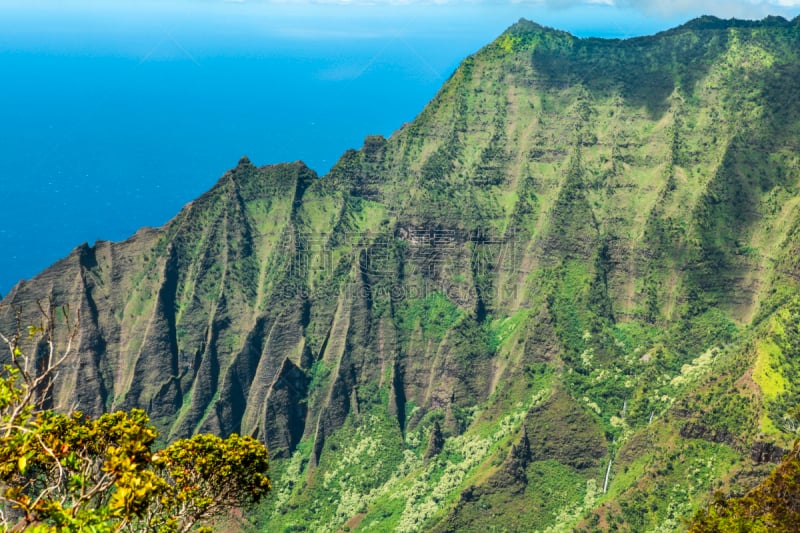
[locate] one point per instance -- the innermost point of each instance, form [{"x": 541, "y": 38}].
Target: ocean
[{"x": 113, "y": 118}]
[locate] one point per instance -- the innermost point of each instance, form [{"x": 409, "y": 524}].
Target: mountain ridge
[{"x": 578, "y": 262}]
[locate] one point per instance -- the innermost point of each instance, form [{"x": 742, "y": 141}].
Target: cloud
[
  {"x": 654, "y": 8},
  {"x": 651, "y": 7},
  {"x": 648, "y": 5},
  {"x": 719, "y": 8}
]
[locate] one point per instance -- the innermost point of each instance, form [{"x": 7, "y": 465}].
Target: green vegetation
[
  {"x": 434, "y": 315},
  {"x": 771, "y": 506},
  {"x": 72, "y": 472},
  {"x": 564, "y": 297}
]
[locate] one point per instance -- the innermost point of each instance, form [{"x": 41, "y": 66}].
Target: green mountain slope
[
  {"x": 564, "y": 297},
  {"x": 770, "y": 506}
]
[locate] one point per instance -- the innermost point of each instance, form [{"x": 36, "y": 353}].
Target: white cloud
[
  {"x": 647, "y": 5},
  {"x": 720, "y": 8},
  {"x": 658, "y": 8}
]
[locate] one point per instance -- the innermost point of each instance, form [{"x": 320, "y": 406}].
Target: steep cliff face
[{"x": 565, "y": 295}]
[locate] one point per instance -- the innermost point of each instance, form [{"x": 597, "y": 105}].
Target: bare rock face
[
  {"x": 435, "y": 442},
  {"x": 766, "y": 452},
  {"x": 594, "y": 240},
  {"x": 170, "y": 319}
]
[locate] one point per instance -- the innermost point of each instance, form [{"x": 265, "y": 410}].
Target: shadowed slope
[{"x": 594, "y": 240}]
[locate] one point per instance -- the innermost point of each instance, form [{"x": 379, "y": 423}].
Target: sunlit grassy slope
[{"x": 563, "y": 298}]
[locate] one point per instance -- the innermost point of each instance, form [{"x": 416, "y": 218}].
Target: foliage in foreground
[
  {"x": 774, "y": 505},
  {"x": 72, "y": 472}
]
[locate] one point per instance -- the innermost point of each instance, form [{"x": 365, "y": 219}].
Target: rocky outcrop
[
  {"x": 435, "y": 442},
  {"x": 556, "y": 242},
  {"x": 697, "y": 430},
  {"x": 766, "y": 452}
]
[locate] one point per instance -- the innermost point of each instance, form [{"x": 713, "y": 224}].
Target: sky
[
  {"x": 586, "y": 17},
  {"x": 116, "y": 113},
  {"x": 721, "y": 8}
]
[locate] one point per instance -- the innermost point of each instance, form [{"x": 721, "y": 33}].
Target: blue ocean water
[{"x": 114, "y": 118}]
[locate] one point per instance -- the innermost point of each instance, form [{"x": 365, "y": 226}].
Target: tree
[
  {"x": 72, "y": 472},
  {"x": 774, "y": 505}
]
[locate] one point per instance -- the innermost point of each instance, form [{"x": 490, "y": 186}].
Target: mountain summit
[{"x": 564, "y": 297}]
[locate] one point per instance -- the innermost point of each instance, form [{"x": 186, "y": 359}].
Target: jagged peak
[
  {"x": 527, "y": 27},
  {"x": 244, "y": 170},
  {"x": 301, "y": 164},
  {"x": 524, "y": 24}
]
